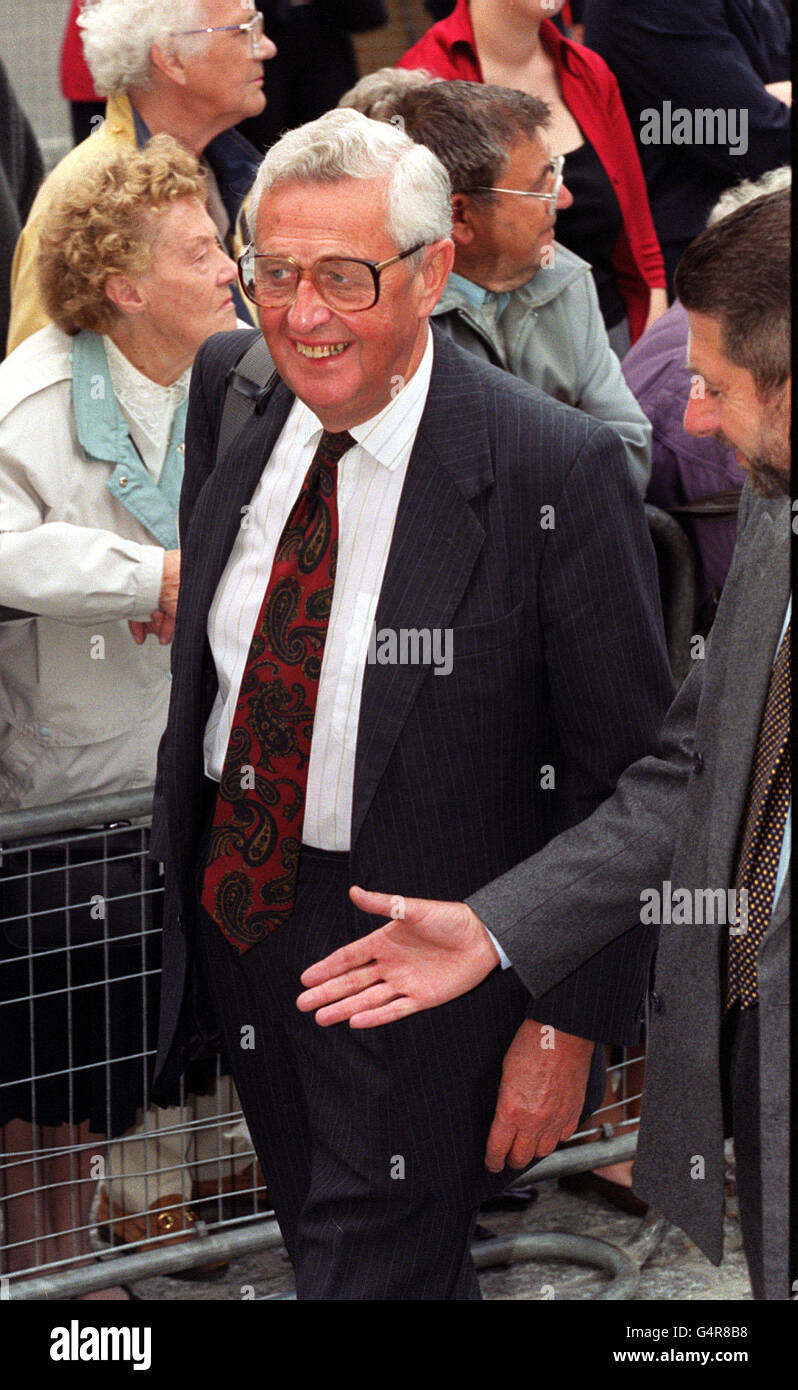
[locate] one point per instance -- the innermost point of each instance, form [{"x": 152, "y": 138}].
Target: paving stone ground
[{"x": 677, "y": 1270}]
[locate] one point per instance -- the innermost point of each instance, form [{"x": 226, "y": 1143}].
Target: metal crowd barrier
[{"x": 180, "y": 1189}]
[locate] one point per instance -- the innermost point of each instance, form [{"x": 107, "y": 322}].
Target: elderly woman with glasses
[{"x": 92, "y": 417}]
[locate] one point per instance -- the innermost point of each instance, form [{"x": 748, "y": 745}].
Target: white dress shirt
[{"x": 370, "y": 481}]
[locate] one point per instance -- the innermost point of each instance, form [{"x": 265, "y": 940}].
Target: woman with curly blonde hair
[{"x": 92, "y": 416}]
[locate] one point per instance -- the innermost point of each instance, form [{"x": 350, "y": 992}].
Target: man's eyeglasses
[
  {"x": 555, "y": 168},
  {"x": 342, "y": 282},
  {"x": 253, "y": 27}
]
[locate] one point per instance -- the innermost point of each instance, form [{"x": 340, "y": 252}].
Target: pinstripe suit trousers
[{"x": 372, "y": 1142}]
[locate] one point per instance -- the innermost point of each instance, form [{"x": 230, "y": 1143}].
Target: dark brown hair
[
  {"x": 470, "y": 126},
  {"x": 738, "y": 272}
]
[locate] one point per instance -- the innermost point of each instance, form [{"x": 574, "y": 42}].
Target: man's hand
[
  {"x": 430, "y": 953},
  {"x": 170, "y": 583},
  {"x": 544, "y": 1078},
  {"x": 161, "y": 624}
]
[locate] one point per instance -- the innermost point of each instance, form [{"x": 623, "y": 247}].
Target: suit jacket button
[
  {"x": 698, "y": 763},
  {"x": 656, "y": 1002}
]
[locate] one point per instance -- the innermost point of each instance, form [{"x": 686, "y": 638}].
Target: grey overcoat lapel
[{"x": 751, "y": 653}]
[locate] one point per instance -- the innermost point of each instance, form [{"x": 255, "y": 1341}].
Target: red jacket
[
  {"x": 592, "y": 95},
  {"x": 76, "y": 83}
]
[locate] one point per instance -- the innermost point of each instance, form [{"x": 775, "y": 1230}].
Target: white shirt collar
[{"x": 386, "y": 435}]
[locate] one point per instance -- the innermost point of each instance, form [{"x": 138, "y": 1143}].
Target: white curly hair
[{"x": 119, "y": 34}]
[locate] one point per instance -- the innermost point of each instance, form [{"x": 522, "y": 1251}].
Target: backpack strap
[{"x": 249, "y": 384}]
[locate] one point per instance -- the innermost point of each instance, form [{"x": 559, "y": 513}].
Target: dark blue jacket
[
  {"x": 234, "y": 162},
  {"x": 715, "y": 54}
]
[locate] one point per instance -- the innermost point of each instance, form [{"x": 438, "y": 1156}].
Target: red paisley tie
[{"x": 250, "y": 877}]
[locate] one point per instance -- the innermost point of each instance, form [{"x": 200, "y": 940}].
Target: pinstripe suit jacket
[
  {"x": 678, "y": 816},
  {"x": 518, "y": 528}
]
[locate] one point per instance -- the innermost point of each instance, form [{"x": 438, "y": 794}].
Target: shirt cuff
[{"x": 504, "y": 959}]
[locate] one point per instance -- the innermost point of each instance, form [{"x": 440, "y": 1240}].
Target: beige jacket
[
  {"x": 81, "y": 706},
  {"x": 27, "y": 311}
]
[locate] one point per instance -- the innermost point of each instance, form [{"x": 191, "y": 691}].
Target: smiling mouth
[{"x": 320, "y": 349}]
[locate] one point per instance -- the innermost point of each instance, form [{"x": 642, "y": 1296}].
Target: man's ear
[
  {"x": 437, "y": 265},
  {"x": 125, "y": 296},
  {"x": 462, "y": 220},
  {"x": 166, "y": 62}
]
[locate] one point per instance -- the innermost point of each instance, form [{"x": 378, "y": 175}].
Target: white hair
[
  {"x": 741, "y": 193},
  {"x": 347, "y": 145},
  {"x": 118, "y": 36}
]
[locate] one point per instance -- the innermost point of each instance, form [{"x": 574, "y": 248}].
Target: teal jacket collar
[
  {"x": 104, "y": 435},
  {"x": 476, "y": 295}
]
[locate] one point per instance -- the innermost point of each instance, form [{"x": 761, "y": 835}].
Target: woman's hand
[{"x": 162, "y": 624}]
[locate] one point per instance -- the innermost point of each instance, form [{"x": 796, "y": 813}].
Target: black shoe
[
  {"x": 482, "y": 1233},
  {"x": 517, "y": 1200}
]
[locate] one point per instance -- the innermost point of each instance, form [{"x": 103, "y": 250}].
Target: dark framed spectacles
[
  {"x": 253, "y": 27},
  {"x": 555, "y": 168},
  {"x": 343, "y": 282}
]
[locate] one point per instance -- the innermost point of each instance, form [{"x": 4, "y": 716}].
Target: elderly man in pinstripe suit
[{"x": 389, "y": 481}]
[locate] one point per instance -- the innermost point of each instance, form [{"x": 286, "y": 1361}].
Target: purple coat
[{"x": 683, "y": 468}]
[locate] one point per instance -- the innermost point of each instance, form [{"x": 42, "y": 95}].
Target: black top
[
  {"x": 683, "y": 55},
  {"x": 591, "y": 227}
]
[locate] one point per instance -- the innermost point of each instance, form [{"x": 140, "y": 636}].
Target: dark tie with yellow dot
[{"x": 765, "y": 821}]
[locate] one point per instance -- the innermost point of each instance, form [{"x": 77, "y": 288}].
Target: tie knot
[{"x": 332, "y": 447}]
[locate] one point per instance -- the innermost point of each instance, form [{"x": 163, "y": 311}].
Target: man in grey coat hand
[
  {"x": 699, "y": 834},
  {"x": 515, "y": 297}
]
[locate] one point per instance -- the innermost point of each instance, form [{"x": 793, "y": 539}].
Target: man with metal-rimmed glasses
[
  {"x": 516, "y": 297},
  {"x": 381, "y": 506}
]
